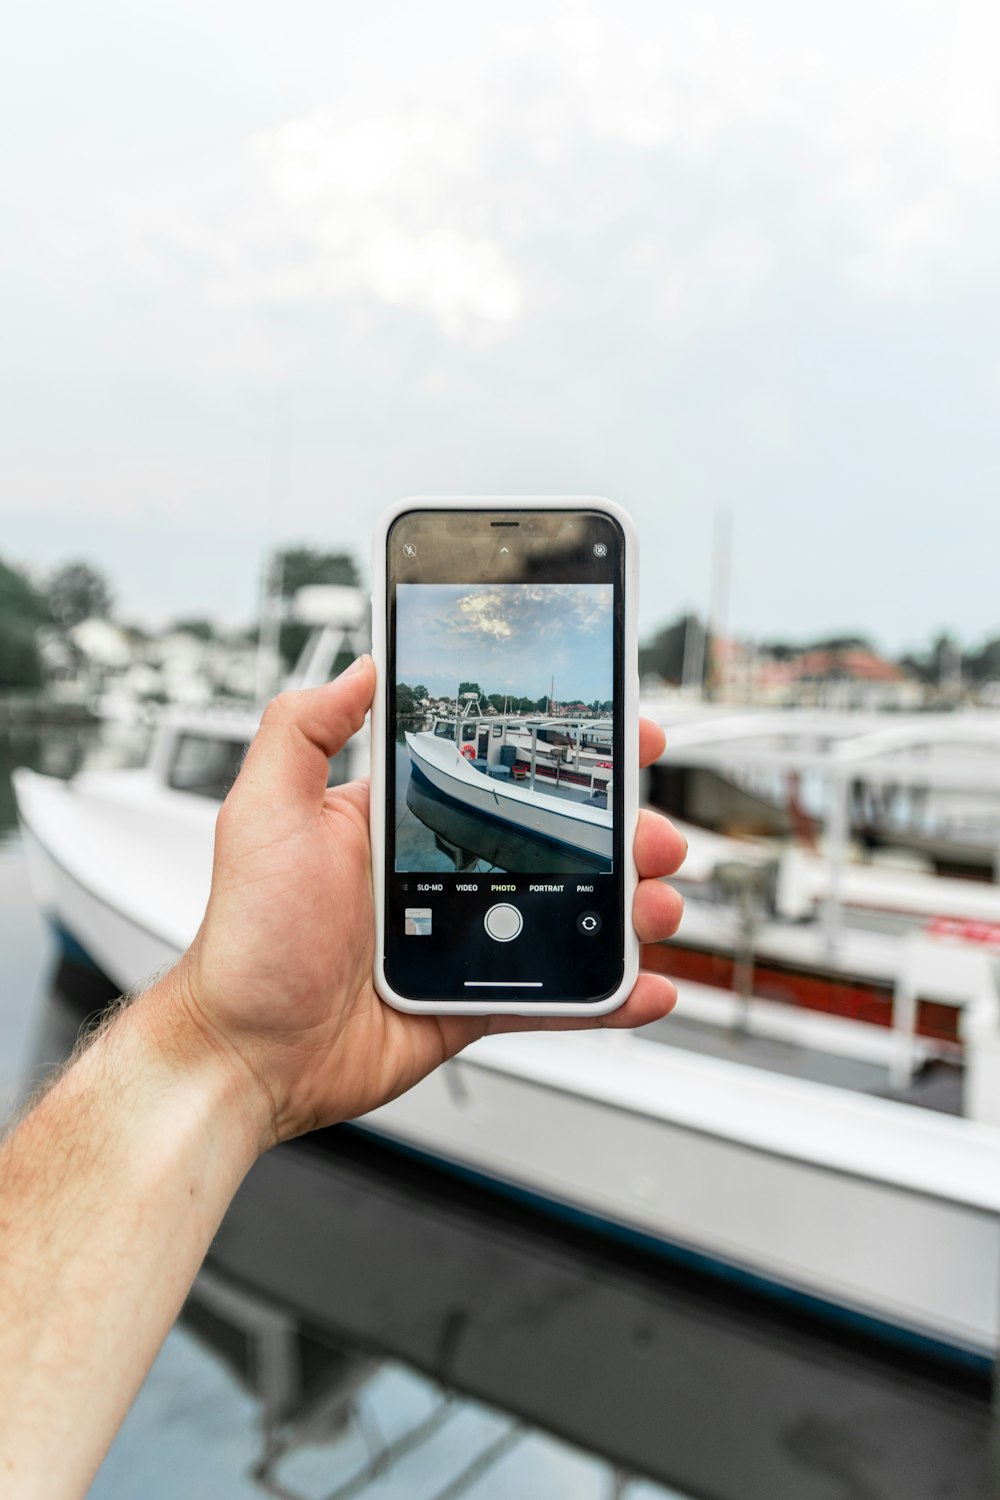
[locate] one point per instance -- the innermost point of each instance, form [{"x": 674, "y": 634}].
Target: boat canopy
[{"x": 927, "y": 750}]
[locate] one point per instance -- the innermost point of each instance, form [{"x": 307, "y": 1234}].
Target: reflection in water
[
  {"x": 63, "y": 750},
  {"x": 53, "y": 750},
  {"x": 470, "y": 844},
  {"x": 409, "y": 1333}
]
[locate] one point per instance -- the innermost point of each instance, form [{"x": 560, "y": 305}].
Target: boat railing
[{"x": 962, "y": 975}]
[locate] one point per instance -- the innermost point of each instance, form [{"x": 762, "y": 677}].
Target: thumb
[{"x": 285, "y": 770}]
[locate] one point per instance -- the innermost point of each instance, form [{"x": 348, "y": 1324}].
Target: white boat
[
  {"x": 858, "y": 1207},
  {"x": 836, "y": 917},
  {"x": 559, "y": 820},
  {"x": 577, "y": 750},
  {"x": 916, "y": 791}
]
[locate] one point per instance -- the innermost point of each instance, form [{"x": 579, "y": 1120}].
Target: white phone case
[{"x": 378, "y": 766}]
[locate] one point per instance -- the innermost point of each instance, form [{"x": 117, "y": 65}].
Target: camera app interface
[{"x": 504, "y": 736}]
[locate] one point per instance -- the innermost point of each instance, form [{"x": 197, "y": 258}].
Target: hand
[{"x": 278, "y": 980}]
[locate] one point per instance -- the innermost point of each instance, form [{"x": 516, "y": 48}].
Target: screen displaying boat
[{"x": 485, "y": 735}]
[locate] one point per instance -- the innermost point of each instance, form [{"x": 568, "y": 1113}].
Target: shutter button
[{"x": 503, "y": 922}]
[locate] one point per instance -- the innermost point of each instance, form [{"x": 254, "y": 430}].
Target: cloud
[
  {"x": 367, "y": 206},
  {"x": 483, "y": 614},
  {"x": 693, "y": 156},
  {"x": 688, "y": 255},
  {"x": 333, "y": 209},
  {"x": 508, "y": 612},
  {"x": 515, "y": 636}
]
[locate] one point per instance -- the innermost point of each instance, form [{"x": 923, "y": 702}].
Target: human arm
[{"x": 112, "y": 1188}]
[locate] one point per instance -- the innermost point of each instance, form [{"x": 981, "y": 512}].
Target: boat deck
[
  {"x": 567, "y": 791},
  {"x": 937, "y": 1086}
]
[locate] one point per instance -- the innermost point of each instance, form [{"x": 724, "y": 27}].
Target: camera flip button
[{"x": 503, "y": 922}]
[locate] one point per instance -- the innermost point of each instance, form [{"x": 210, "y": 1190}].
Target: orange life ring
[{"x": 468, "y": 752}]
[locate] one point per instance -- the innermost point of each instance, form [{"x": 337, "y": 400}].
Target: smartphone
[{"x": 505, "y": 755}]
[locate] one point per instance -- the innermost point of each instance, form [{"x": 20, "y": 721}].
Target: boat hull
[
  {"x": 871, "y": 1210},
  {"x": 915, "y": 1264},
  {"x": 569, "y": 826}
]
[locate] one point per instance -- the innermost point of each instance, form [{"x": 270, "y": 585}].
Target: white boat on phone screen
[{"x": 477, "y": 763}]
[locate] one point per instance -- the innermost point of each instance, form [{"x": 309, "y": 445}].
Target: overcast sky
[
  {"x": 265, "y": 268},
  {"x": 518, "y": 638}
]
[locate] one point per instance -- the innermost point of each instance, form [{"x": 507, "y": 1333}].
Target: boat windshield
[
  {"x": 205, "y": 764},
  {"x": 208, "y": 765}
]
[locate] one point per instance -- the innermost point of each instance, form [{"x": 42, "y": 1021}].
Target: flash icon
[{"x": 600, "y": 549}]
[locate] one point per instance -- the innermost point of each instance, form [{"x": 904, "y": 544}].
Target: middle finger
[{"x": 658, "y": 849}]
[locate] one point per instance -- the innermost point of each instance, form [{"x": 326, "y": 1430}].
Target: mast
[
  {"x": 268, "y": 664},
  {"x": 718, "y": 607},
  {"x": 693, "y": 669}
]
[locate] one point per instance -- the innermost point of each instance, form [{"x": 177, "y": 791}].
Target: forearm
[{"x": 110, "y": 1193}]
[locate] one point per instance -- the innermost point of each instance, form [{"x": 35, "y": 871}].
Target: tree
[
  {"x": 20, "y": 666},
  {"x": 664, "y": 654},
  {"x": 789, "y": 650},
  {"x": 203, "y": 629},
  {"x": 918, "y": 665},
  {"x": 22, "y": 611},
  {"x": 935, "y": 665},
  {"x": 845, "y": 643},
  {"x": 410, "y": 700},
  {"x": 19, "y": 599},
  {"x": 301, "y": 567},
  {"x": 984, "y": 665},
  {"x": 77, "y": 592},
  {"x": 470, "y": 687}
]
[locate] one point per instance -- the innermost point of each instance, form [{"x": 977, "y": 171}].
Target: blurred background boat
[{"x": 832, "y": 1138}]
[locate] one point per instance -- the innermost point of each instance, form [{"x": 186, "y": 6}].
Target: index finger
[{"x": 286, "y": 766}]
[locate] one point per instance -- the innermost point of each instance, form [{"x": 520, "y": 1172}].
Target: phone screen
[{"x": 504, "y": 867}]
